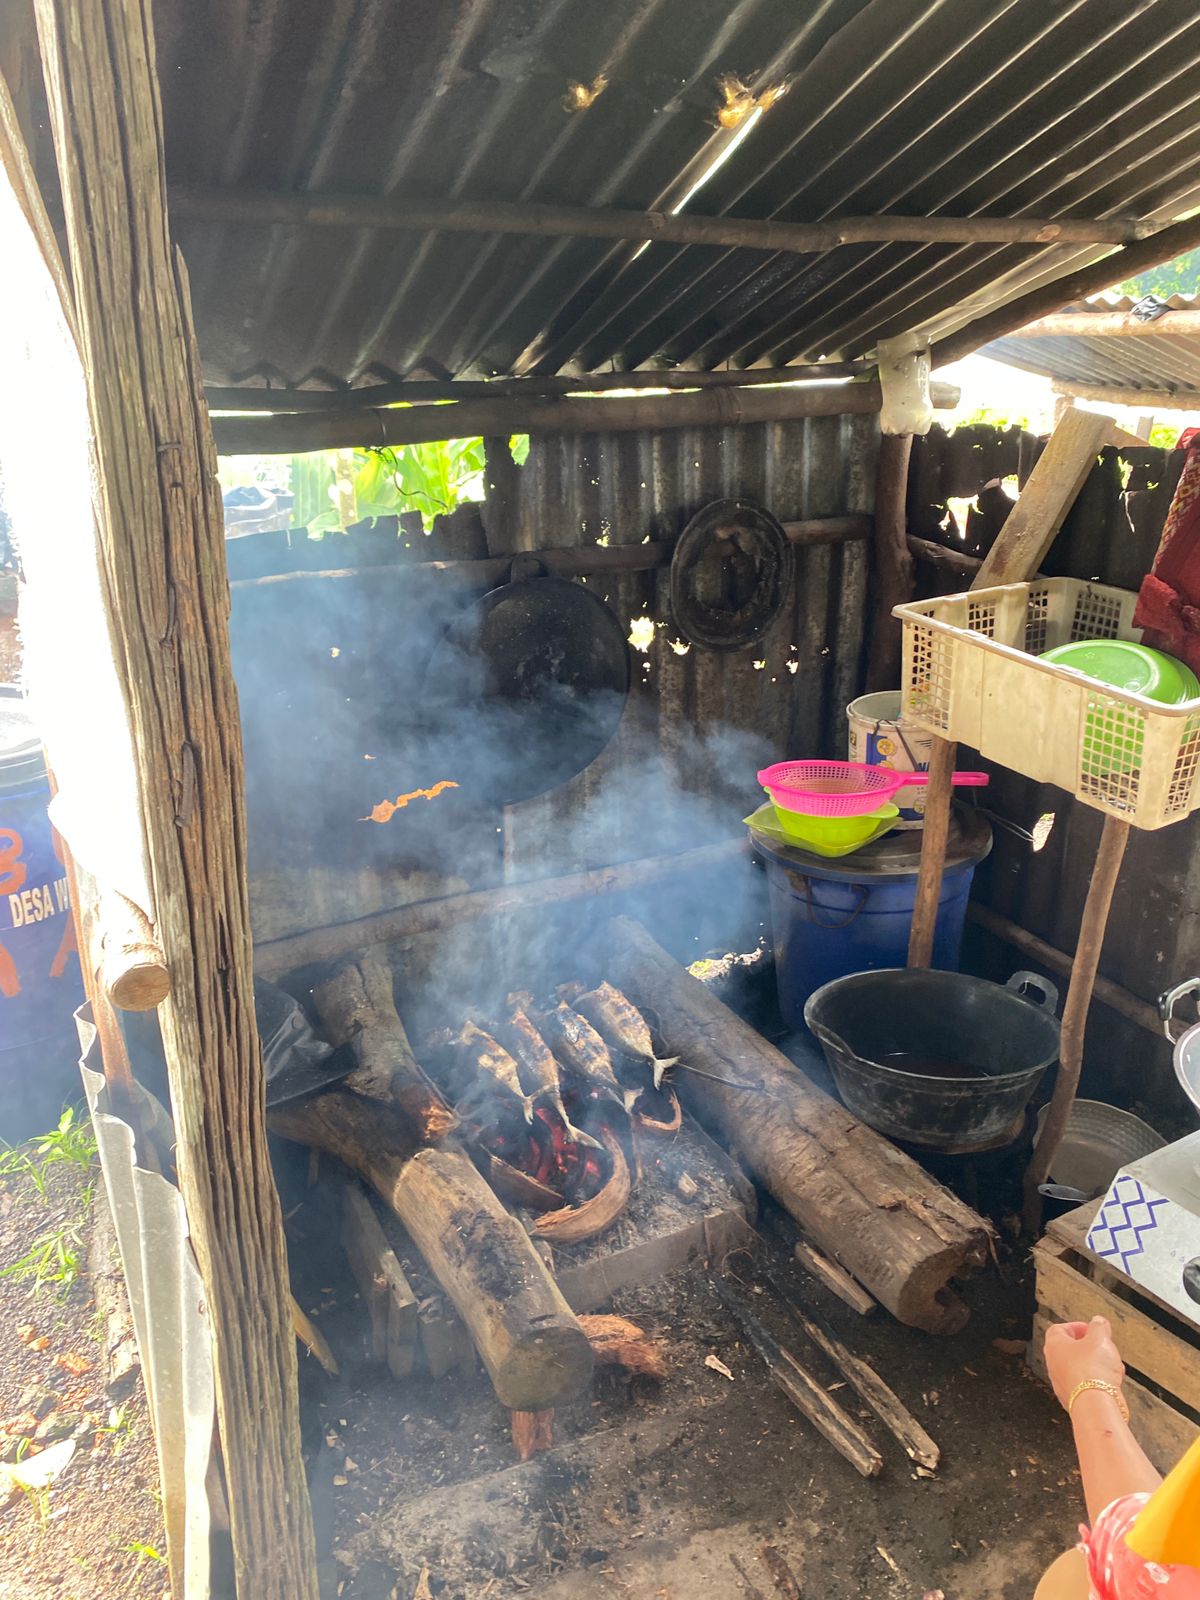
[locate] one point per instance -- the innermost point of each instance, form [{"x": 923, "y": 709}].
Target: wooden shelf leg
[
  {"x": 1075, "y": 1012},
  {"x": 938, "y": 795}
]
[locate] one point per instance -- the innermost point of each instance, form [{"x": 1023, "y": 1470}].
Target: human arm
[{"x": 1111, "y": 1461}]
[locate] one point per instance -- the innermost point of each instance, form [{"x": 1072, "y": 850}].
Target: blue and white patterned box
[{"x": 1148, "y": 1224}]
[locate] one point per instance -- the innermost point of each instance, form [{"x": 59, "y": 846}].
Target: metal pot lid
[
  {"x": 526, "y": 688},
  {"x": 731, "y": 575}
]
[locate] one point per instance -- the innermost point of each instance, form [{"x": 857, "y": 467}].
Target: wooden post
[
  {"x": 894, "y": 565},
  {"x": 938, "y": 795},
  {"x": 1045, "y": 500},
  {"x": 1075, "y": 1011},
  {"x": 163, "y": 563}
]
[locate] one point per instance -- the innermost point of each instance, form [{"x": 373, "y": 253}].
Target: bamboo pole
[
  {"x": 162, "y": 559},
  {"x": 1075, "y": 1011},
  {"x": 362, "y": 429},
  {"x": 422, "y": 391},
  {"x": 1162, "y": 245},
  {"x": 415, "y": 214}
]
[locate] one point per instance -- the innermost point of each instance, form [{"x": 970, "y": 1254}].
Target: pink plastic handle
[{"x": 960, "y": 780}]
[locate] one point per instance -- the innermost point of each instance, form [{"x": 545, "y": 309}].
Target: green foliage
[
  {"x": 334, "y": 488},
  {"x": 71, "y": 1143},
  {"x": 1181, "y": 276},
  {"x": 991, "y": 418}
]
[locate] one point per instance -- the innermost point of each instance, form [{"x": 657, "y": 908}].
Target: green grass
[
  {"x": 54, "y": 1259},
  {"x": 144, "y": 1552},
  {"x": 72, "y": 1143},
  {"x": 52, "y": 1263}
]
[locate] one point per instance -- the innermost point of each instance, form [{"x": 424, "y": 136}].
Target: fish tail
[
  {"x": 659, "y": 1069},
  {"x": 527, "y": 1102},
  {"x": 629, "y": 1099},
  {"x": 578, "y": 1135}
]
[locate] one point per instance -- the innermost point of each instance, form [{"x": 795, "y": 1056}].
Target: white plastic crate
[{"x": 971, "y": 674}]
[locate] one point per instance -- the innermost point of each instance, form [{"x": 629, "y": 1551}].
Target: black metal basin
[{"x": 985, "y": 1047}]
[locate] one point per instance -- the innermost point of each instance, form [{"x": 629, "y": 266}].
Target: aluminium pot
[
  {"x": 1187, "y": 1043},
  {"x": 1001, "y": 1035}
]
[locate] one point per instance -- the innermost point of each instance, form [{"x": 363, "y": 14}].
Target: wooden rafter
[{"x": 414, "y": 214}]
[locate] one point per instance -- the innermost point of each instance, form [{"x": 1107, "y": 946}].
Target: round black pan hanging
[
  {"x": 526, "y": 687},
  {"x": 731, "y": 575}
]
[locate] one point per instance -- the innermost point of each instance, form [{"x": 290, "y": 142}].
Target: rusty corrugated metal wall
[{"x": 698, "y": 722}]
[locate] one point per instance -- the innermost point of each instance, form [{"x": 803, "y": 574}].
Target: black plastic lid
[{"x": 896, "y": 855}]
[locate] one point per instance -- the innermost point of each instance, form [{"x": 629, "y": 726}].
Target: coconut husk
[
  {"x": 616, "y": 1342},
  {"x": 573, "y": 1224}
]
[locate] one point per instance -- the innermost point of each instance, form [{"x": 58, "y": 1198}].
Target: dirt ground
[
  {"x": 702, "y": 1484},
  {"x": 96, "y": 1532}
]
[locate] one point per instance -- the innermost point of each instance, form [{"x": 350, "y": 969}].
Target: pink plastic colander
[{"x": 843, "y": 788}]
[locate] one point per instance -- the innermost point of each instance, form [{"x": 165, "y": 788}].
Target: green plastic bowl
[
  {"x": 824, "y": 836},
  {"x": 1131, "y": 667}
]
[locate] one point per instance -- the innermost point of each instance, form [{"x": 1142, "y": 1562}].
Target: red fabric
[
  {"x": 1169, "y": 601},
  {"x": 1116, "y": 1573}
]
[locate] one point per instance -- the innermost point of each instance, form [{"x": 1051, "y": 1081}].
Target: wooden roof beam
[
  {"x": 269, "y": 208},
  {"x": 1105, "y": 395},
  {"x": 1110, "y": 325}
]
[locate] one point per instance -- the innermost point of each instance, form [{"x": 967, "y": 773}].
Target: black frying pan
[{"x": 526, "y": 688}]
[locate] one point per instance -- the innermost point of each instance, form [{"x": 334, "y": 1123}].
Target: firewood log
[
  {"x": 535, "y": 1352},
  {"x": 901, "y": 1234},
  {"x": 358, "y": 1003}
]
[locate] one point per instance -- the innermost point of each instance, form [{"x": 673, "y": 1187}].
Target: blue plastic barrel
[
  {"x": 40, "y": 980},
  {"x": 831, "y": 918}
]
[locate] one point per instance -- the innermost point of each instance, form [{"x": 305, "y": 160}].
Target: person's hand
[{"x": 1079, "y": 1350}]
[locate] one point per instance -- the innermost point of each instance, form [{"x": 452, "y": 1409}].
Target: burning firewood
[{"x": 617, "y": 1343}]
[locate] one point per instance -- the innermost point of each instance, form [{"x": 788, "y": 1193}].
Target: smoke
[{"x": 355, "y": 691}]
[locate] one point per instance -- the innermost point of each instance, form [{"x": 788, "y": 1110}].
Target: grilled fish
[
  {"x": 539, "y": 1069},
  {"x": 621, "y": 1025},
  {"x": 582, "y": 1048},
  {"x": 491, "y": 1060}
]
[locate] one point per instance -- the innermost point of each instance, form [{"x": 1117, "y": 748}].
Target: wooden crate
[{"x": 1161, "y": 1349}]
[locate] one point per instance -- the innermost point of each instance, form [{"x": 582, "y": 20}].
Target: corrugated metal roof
[
  {"x": 1162, "y": 360},
  {"x": 1081, "y": 108}
]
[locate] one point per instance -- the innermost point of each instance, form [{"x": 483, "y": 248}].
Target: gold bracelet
[{"x": 1105, "y": 1388}]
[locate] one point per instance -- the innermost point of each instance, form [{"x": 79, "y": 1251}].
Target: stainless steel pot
[{"x": 1187, "y": 1042}]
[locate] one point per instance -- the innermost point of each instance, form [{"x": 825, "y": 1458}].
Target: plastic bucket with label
[{"x": 880, "y": 738}]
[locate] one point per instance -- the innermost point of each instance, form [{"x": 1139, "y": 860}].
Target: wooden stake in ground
[
  {"x": 162, "y": 557},
  {"x": 894, "y": 566},
  {"x": 939, "y": 792},
  {"x": 1075, "y": 1011}
]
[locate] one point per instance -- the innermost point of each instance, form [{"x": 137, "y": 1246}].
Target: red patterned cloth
[
  {"x": 1116, "y": 1573},
  {"x": 1168, "y": 605}
]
